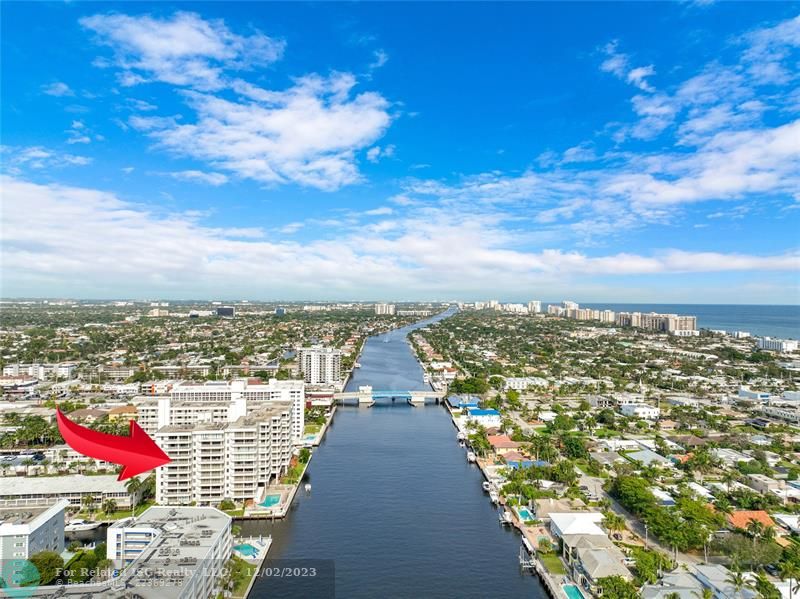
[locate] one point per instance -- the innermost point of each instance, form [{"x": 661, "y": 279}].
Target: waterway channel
[{"x": 395, "y": 510}]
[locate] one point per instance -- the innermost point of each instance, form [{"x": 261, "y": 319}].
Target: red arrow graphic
[{"x": 137, "y": 453}]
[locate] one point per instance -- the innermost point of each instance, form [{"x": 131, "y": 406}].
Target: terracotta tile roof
[
  {"x": 741, "y": 518},
  {"x": 502, "y": 442}
]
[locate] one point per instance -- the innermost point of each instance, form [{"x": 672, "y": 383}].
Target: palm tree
[
  {"x": 755, "y": 529},
  {"x": 109, "y": 506},
  {"x": 737, "y": 580},
  {"x": 791, "y": 572},
  {"x": 613, "y": 522},
  {"x": 133, "y": 486},
  {"x": 705, "y": 593},
  {"x": 729, "y": 477},
  {"x": 89, "y": 501}
]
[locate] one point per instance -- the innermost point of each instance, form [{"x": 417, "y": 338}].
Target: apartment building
[
  {"x": 252, "y": 389},
  {"x": 385, "y": 309},
  {"x": 320, "y": 365},
  {"x": 787, "y": 414},
  {"x": 26, "y": 531},
  {"x": 199, "y": 540},
  {"x": 778, "y": 345},
  {"x": 534, "y": 307},
  {"x": 116, "y": 371},
  {"x": 667, "y": 323},
  {"x": 62, "y": 370},
  {"x": 183, "y": 370},
  {"x": 234, "y": 459}
]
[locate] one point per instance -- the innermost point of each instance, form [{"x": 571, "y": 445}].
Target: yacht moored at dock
[
  {"x": 81, "y": 526},
  {"x": 471, "y": 457},
  {"x": 505, "y": 518}
]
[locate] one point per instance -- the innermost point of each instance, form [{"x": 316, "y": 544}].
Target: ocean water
[{"x": 772, "y": 321}]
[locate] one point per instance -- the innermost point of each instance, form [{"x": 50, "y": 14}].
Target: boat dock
[{"x": 553, "y": 584}]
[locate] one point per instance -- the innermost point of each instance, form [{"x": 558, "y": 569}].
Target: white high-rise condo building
[
  {"x": 384, "y": 309},
  {"x": 534, "y": 307},
  {"x": 214, "y": 459},
  {"x": 320, "y": 365},
  {"x": 252, "y": 389},
  {"x": 778, "y": 345}
]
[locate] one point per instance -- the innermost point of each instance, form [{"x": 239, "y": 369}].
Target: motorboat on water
[
  {"x": 487, "y": 486},
  {"x": 494, "y": 496},
  {"x": 462, "y": 436},
  {"x": 505, "y": 518},
  {"x": 356, "y": 365},
  {"x": 81, "y": 525},
  {"x": 307, "y": 487},
  {"x": 471, "y": 457},
  {"x": 462, "y": 444}
]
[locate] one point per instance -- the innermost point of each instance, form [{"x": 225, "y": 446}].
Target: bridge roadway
[{"x": 366, "y": 395}]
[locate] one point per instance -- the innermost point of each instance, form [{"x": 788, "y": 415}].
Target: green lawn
[
  {"x": 312, "y": 429},
  {"x": 117, "y": 515},
  {"x": 241, "y": 573},
  {"x": 553, "y": 563}
]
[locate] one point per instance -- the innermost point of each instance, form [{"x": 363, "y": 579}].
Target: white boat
[
  {"x": 487, "y": 486},
  {"x": 462, "y": 444},
  {"x": 307, "y": 487},
  {"x": 461, "y": 436},
  {"x": 494, "y": 496},
  {"x": 81, "y": 525},
  {"x": 356, "y": 365},
  {"x": 471, "y": 457},
  {"x": 505, "y": 518}
]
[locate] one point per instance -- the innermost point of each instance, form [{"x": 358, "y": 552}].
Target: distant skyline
[{"x": 606, "y": 153}]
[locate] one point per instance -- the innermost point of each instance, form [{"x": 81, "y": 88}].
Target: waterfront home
[
  {"x": 576, "y": 523},
  {"x": 459, "y": 402},
  {"x": 542, "y": 508},
  {"x": 486, "y": 418},
  {"x": 502, "y": 444},
  {"x": 717, "y": 578},
  {"x": 591, "y": 557}
]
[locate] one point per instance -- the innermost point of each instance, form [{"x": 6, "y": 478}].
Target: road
[{"x": 595, "y": 484}]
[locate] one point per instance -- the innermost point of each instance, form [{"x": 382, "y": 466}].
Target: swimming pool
[
  {"x": 270, "y": 500},
  {"x": 246, "y": 550},
  {"x": 572, "y": 591},
  {"x": 524, "y": 514}
]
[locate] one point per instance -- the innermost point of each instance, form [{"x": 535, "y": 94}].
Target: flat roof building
[{"x": 25, "y": 531}]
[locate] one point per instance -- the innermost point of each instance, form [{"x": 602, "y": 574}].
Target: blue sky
[{"x": 604, "y": 152}]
